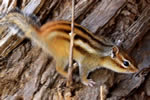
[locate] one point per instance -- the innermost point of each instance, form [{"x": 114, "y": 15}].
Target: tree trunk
[{"x": 27, "y": 72}]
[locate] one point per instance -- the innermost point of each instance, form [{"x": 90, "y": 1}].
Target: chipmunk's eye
[{"x": 126, "y": 63}]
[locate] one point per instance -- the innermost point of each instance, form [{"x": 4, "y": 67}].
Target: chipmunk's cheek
[
  {"x": 135, "y": 70},
  {"x": 132, "y": 70},
  {"x": 126, "y": 71},
  {"x": 129, "y": 71}
]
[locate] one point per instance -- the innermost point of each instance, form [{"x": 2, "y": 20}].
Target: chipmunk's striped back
[
  {"x": 84, "y": 40},
  {"x": 90, "y": 52}
]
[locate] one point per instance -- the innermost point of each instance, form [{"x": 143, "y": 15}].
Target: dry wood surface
[{"x": 28, "y": 73}]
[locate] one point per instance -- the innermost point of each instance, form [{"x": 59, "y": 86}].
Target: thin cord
[{"x": 72, "y": 34}]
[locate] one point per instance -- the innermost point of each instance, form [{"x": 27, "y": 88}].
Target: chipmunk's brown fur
[{"x": 89, "y": 52}]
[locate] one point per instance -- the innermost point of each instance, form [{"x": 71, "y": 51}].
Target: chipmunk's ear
[{"x": 115, "y": 51}]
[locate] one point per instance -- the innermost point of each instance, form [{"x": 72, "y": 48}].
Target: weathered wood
[
  {"x": 102, "y": 14},
  {"x": 8, "y": 39},
  {"x": 6, "y": 6},
  {"x": 80, "y": 8},
  {"x": 136, "y": 31},
  {"x": 28, "y": 73}
]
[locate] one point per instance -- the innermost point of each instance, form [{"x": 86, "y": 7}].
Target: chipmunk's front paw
[{"x": 89, "y": 82}]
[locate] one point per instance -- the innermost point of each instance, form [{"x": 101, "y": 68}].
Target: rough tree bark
[{"x": 27, "y": 72}]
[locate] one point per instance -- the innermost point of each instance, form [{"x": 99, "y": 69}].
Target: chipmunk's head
[{"x": 119, "y": 61}]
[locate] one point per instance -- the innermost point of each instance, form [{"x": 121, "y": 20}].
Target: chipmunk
[{"x": 90, "y": 52}]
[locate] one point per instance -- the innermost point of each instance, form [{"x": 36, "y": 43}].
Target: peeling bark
[{"x": 27, "y": 72}]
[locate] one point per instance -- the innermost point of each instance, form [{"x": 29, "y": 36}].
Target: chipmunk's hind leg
[{"x": 61, "y": 66}]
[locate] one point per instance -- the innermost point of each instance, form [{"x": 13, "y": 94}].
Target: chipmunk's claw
[{"x": 89, "y": 82}]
